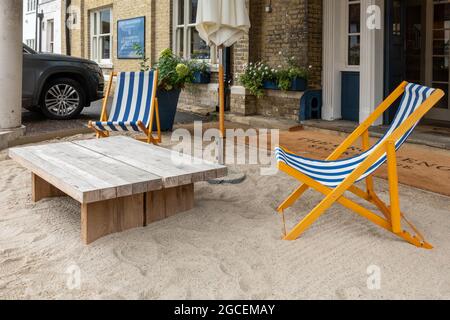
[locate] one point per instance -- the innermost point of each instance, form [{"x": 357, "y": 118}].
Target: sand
[{"x": 228, "y": 247}]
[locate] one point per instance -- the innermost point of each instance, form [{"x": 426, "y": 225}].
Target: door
[
  {"x": 405, "y": 46},
  {"x": 350, "y": 96},
  {"x": 438, "y": 55}
]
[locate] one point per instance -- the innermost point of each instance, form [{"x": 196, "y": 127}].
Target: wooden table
[{"x": 120, "y": 183}]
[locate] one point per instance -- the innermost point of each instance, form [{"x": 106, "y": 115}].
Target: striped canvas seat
[
  {"x": 333, "y": 173},
  {"x": 133, "y": 99}
]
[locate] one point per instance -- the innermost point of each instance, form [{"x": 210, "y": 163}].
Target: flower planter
[
  {"x": 168, "y": 102},
  {"x": 299, "y": 84},
  {"x": 270, "y": 85},
  {"x": 201, "y": 77}
]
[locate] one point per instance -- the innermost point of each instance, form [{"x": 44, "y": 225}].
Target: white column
[
  {"x": 329, "y": 111},
  {"x": 372, "y": 62},
  {"x": 10, "y": 64}
]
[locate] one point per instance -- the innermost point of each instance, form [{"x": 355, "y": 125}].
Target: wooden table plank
[
  {"x": 85, "y": 175},
  {"x": 156, "y": 160}
]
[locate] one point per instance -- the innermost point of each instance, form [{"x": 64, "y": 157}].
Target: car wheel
[{"x": 63, "y": 99}]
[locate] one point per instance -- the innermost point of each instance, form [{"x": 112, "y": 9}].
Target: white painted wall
[
  {"x": 29, "y": 23},
  {"x": 335, "y": 56},
  {"x": 52, "y": 10}
]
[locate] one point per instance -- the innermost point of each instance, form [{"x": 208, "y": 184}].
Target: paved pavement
[{"x": 36, "y": 124}]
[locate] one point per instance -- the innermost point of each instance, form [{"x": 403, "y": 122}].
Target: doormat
[{"x": 418, "y": 166}]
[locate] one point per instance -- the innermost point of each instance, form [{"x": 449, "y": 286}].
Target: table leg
[
  {"x": 41, "y": 189},
  {"x": 100, "y": 219},
  {"x": 165, "y": 203}
]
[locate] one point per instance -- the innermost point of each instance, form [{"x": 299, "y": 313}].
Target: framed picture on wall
[{"x": 130, "y": 34}]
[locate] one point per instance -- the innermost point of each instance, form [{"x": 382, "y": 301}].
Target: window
[
  {"x": 101, "y": 35},
  {"x": 187, "y": 42},
  {"x": 30, "y": 43},
  {"x": 354, "y": 33},
  {"x": 50, "y": 36},
  {"x": 31, "y": 5}
]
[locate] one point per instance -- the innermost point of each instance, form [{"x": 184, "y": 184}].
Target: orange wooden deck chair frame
[
  {"x": 135, "y": 107},
  {"x": 416, "y": 102}
]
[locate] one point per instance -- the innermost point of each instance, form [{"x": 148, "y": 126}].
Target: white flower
[{"x": 280, "y": 53}]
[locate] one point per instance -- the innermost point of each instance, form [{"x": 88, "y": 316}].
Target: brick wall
[{"x": 294, "y": 27}]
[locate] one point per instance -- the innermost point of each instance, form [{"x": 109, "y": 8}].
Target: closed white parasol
[{"x": 222, "y": 23}]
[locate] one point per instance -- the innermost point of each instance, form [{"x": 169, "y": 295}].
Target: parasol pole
[
  {"x": 221, "y": 107},
  {"x": 221, "y": 93}
]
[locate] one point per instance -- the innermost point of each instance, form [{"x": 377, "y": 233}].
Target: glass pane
[
  {"x": 440, "y": 47},
  {"x": 105, "y": 18},
  {"x": 193, "y": 10},
  {"x": 105, "y": 45},
  {"x": 94, "y": 49},
  {"x": 180, "y": 12},
  {"x": 354, "y": 18},
  {"x": 95, "y": 23},
  {"x": 441, "y": 16},
  {"x": 353, "y": 50},
  {"x": 440, "y": 69},
  {"x": 443, "y": 104},
  {"x": 396, "y": 18},
  {"x": 199, "y": 48},
  {"x": 180, "y": 42}
]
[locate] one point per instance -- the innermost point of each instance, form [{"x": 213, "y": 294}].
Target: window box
[
  {"x": 202, "y": 77},
  {"x": 299, "y": 84},
  {"x": 271, "y": 85}
]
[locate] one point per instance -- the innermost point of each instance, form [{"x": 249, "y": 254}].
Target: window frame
[
  {"x": 96, "y": 37},
  {"x": 31, "y": 6},
  {"x": 349, "y": 34},
  {"x": 50, "y": 29},
  {"x": 186, "y": 26}
]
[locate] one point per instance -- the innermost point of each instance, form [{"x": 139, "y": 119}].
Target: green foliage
[
  {"x": 143, "y": 64},
  {"x": 253, "y": 78},
  {"x": 255, "y": 75},
  {"x": 174, "y": 72},
  {"x": 199, "y": 66}
]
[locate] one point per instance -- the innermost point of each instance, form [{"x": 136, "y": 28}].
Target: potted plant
[
  {"x": 270, "y": 79},
  {"x": 254, "y": 76},
  {"x": 201, "y": 72},
  {"x": 293, "y": 77},
  {"x": 174, "y": 73}
]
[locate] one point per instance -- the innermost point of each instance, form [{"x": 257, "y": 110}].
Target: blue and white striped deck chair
[
  {"x": 135, "y": 106},
  {"x": 334, "y": 176}
]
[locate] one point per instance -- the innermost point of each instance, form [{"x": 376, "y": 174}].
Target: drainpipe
[
  {"x": 68, "y": 40},
  {"x": 40, "y": 17},
  {"x": 228, "y": 76},
  {"x": 36, "y": 26}
]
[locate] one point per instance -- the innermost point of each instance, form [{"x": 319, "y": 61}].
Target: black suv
[{"x": 59, "y": 86}]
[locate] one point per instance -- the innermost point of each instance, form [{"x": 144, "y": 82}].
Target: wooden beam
[
  {"x": 41, "y": 189},
  {"x": 165, "y": 203},
  {"x": 102, "y": 218}
]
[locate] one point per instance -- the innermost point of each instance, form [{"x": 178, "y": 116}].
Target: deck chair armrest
[{"x": 104, "y": 114}]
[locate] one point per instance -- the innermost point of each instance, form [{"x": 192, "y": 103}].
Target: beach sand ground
[{"x": 228, "y": 247}]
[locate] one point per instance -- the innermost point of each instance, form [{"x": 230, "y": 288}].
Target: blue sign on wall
[{"x": 129, "y": 33}]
